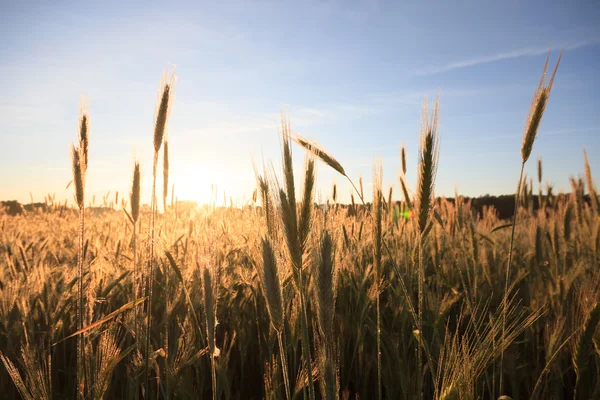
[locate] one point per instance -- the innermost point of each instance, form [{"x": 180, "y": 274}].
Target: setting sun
[{"x": 204, "y": 184}]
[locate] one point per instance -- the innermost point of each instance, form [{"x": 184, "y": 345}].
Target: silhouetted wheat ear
[
  {"x": 164, "y": 109},
  {"x": 567, "y": 219},
  {"x": 84, "y": 140},
  {"x": 590, "y": 183},
  {"x": 319, "y": 153},
  {"x": 539, "y": 170},
  {"x": 428, "y": 163},
  {"x": 325, "y": 293},
  {"x": 360, "y": 184},
  {"x": 77, "y": 175},
  {"x": 135, "y": 213},
  {"x": 403, "y": 158},
  {"x": 377, "y": 215},
  {"x": 271, "y": 285},
  {"x": 536, "y": 111},
  {"x": 161, "y": 118},
  {"x": 290, "y": 233},
  {"x": 135, "y": 193},
  {"x": 306, "y": 215},
  {"x": 267, "y": 203},
  {"x": 288, "y": 171},
  {"x": 289, "y": 217}
]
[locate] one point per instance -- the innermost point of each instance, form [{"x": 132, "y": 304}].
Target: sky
[{"x": 351, "y": 75}]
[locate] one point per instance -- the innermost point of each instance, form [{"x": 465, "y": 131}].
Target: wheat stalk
[
  {"x": 428, "y": 163},
  {"x": 296, "y": 229},
  {"x": 211, "y": 321},
  {"x": 536, "y": 111},
  {"x": 79, "y": 160},
  {"x": 377, "y": 244},
  {"x": 162, "y": 115},
  {"x": 134, "y": 198},
  {"x": 272, "y": 291},
  {"x": 165, "y": 173},
  {"x": 324, "y": 300}
]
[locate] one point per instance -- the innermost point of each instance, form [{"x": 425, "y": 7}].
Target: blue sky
[{"x": 352, "y": 75}]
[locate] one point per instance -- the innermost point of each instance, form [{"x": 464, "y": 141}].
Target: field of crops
[{"x": 408, "y": 296}]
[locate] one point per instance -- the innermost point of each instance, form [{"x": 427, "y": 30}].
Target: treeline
[{"x": 503, "y": 205}]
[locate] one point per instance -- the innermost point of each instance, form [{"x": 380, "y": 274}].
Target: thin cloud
[{"x": 527, "y": 52}]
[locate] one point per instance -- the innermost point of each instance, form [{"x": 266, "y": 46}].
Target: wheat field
[{"x": 409, "y": 296}]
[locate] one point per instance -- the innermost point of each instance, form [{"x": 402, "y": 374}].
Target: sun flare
[{"x": 199, "y": 183}]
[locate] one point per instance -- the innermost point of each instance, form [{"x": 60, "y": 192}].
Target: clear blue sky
[{"x": 353, "y": 76}]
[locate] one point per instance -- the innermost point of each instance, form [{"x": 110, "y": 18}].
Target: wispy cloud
[{"x": 524, "y": 52}]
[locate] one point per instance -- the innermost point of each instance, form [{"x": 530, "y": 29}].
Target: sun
[{"x": 199, "y": 183}]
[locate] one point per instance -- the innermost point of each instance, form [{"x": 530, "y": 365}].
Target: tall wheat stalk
[
  {"x": 135, "y": 213},
  {"x": 269, "y": 275},
  {"x": 160, "y": 126},
  {"x": 377, "y": 234},
  {"x": 296, "y": 226},
  {"x": 166, "y": 265},
  {"x": 536, "y": 111},
  {"x": 428, "y": 163},
  {"x": 79, "y": 159}
]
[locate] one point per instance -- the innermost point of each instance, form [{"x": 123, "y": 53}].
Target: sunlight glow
[{"x": 199, "y": 183}]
